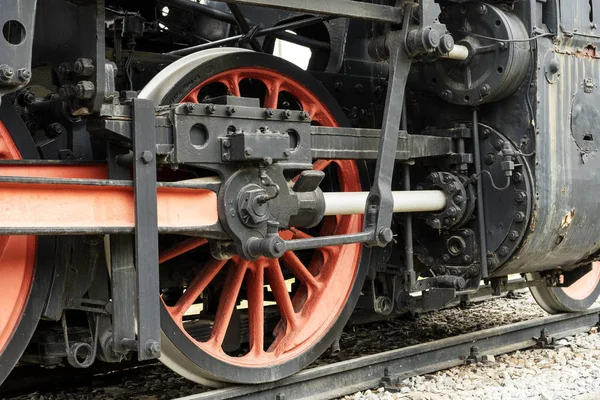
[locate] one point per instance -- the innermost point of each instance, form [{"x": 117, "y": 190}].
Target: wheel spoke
[
  {"x": 320, "y": 165},
  {"x": 228, "y": 301},
  {"x": 272, "y": 95},
  {"x": 181, "y": 248},
  {"x": 280, "y": 292},
  {"x": 233, "y": 84},
  {"x": 194, "y": 289},
  {"x": 256, "y": 310},
  {"x": 293, "y": 263}
]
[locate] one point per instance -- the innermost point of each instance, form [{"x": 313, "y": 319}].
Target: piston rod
[{"x": 349, "y": 203}]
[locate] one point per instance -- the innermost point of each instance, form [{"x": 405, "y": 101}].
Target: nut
[
  {"x": 83, "y": 67},
  {"x": 6, "y": 73},
  {"x": 146, "y": 156},
  {"x": 85, "y": 90},
  {"x": 24, "y": 75}
]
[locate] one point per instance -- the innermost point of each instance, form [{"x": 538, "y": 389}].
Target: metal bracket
[
  {"x": 16, "y": 41},
  {"x": 146, "y": 229},
  {"x": 545, "y": 341}
]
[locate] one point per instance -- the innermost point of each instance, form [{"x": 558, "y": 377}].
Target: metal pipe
[
  {"x": 480, "y": 204},
  {"x": 261, "y": 32},
  {"x": 350, "y": 203},
  {"x": 459, "y": 52}
]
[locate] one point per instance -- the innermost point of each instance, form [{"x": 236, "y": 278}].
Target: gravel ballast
[{"x": 519, "y": 375}]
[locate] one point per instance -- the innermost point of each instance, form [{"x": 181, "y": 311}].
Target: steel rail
[{"x": 339, "y": 379}]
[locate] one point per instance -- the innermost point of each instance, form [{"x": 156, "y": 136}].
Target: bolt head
[
  {"x": 467, "y": 258},
  {"x": 24, "y": 75},
  {"x": 146, "y": 156},
  {"x": 226, "y": 143},
  {"x": 304, "y": 115},
  {"x": 386, "y": 235},
  {"x": 503, "y": 251},
  {"x": 517, "y": 177},
  {"x": 190, "y": 107},
  {"x": 481, "y": 9},
  {"x": 85, "y": 90},
  {"x": 211, "y": 109},
  {"x": 248, "y": 151},
  {"x": 446, "y": 95},
  {"x": 452, "y": 211},
  {"x": 458, "y": 199},
  {"x": 286, "y": 114},
  {"x": 269, "y": 113},
  {"x": 513, "y": 235},
  {"x": 520, "y": 197},
  {"x": 446, "y": 257},
  {"x": 287, "y": 153},
  {"x": 231, "y": 110},
  {"x": 6, "y": 72},
  {"x": 520, "y": 216},
  {"x": 152, "y": 348}
]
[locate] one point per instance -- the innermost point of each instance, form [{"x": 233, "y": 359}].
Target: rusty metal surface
[{"x": 564, "y": 230}]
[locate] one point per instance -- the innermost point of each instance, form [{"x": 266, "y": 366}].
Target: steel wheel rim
[
  {"x": 584, "y": 286},
  {"x": 17, "y": 263}
]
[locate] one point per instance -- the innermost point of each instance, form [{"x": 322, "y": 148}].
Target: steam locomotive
[{"x": 170, "y": 189}]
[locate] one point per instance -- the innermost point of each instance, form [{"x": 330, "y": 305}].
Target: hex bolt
[
  {"x": 190, "y": 107},
  {"x": 85, "y": 90},
  {"x": 520, "y": 197},
  {"x": 226, "y": 143},
  {"x": 28, "y": 98},
  {"x": 359, "y": 88},
  {"x": 146, "y": 157},
  {"x": 231, "y": 110},
  {"x": 226, "y": 157},
  {"x": 458, "y": 199},
  {"x": 491, "y": 262},
  {"x": 287, "y": 152},
  {"x": 83, "y": 67},
  {"x": 232, "y": 212},
  {"x": 432, "y": 178},
  {"x": 486, "y": 133},
  {"x": 287, "y": 114},
  {"x": 499, "y": 144},
  {"x": 386, "y": 235},
  {"x": 513, "y": 235},
  {"x": 520, "y": 216},
  {"x": 467, "y": 258},
  {"x": 152, "y": 348},
  {"x": 269, "y": 113},
  {"x": 211, "y": 109},
  {"x": 452, "y": 211},
  {"x": 304, "y": 115},
  {"x": 517, "y": 177},
  {"x": 481, "y": 9},
  {"x": 436, "y": 224},
  {"x": 446, "y": 257},
  {"x": 484, "y": 90},
  {"x": 447, "y": 95},
  {"x": 429, "y": 261},
  {"x": 55, "y": 129},
  {"x": 490, "y": 158},
  {"x": 6, "y": 73},
  {"x": 278, "y": 247},
  {"x": 248, "y": 151},
  {"x": 503, "y": 251},
  {"x": 24, "y": 75}
]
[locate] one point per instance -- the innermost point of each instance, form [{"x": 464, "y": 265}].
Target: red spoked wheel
[
  {"x": 23, "y": 286},
  {"x": 285, "y": 311},
  {"x": 580, "y": 296}
]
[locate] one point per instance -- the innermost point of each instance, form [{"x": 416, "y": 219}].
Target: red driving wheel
[{"x": 310, "y": 293}]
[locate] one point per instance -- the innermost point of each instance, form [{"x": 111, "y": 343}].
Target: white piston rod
[{"x": 348, "y": 203}]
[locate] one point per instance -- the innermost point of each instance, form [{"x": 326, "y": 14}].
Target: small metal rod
[
  {"x": 242, "y": 23},
  {"x": 408, "y": 229},
  {"x": 315, "y": 243},
  {"x": 480, "y": 203},
  {"x": 261, "y": 32}
]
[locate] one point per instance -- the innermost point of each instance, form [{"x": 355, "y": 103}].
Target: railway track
[{"x": 339, "y": 379}]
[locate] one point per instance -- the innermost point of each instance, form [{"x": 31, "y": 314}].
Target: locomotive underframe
[{"x": 549, "y": 160}]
